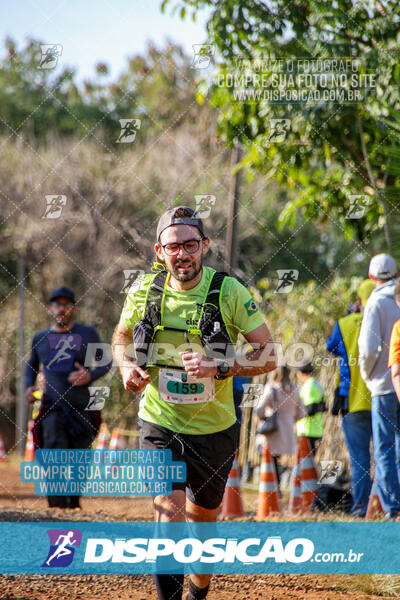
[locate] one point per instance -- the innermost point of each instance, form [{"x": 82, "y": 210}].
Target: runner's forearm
[
  {"x": 122, "y": 349},
  {"x": 256, "y": 362}
]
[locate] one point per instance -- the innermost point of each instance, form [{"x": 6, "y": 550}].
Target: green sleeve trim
[
  {"x": 127, "y": 323},
  {"x": 254, "y": 326}
]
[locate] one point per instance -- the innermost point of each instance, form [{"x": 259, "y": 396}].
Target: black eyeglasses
[{"x": 190, "y": 246}]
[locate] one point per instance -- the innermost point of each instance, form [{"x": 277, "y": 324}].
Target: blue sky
[{"x": 98, "y": 30}]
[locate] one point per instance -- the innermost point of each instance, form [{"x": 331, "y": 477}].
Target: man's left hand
[
  {"x": 79, "y": 377},
  {"x": 198, "y": 365}
]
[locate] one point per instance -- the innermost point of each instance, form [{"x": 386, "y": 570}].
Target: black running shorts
[{"x": 208, "y": 459}]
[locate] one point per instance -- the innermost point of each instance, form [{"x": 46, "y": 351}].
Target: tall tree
[{"x": 333, "y": 152}]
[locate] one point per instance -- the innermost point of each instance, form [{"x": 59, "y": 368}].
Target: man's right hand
[
  {"x": 134, "y": 378},
  {"x": 29, "y": 394}
]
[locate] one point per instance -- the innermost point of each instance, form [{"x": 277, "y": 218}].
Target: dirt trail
[{"x": 18, "y": 503}]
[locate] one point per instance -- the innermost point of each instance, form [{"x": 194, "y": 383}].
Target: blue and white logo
[{"x": 62, "y": 547}]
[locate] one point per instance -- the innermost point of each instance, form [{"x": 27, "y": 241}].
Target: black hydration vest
[{"x": 210, "y": 327}]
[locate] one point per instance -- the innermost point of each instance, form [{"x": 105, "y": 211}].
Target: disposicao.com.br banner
[{"x": 81, "y": 547}]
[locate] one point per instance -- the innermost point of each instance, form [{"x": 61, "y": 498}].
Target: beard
[
  {"x": 62, "y": 320},
  {"x": 188, "y": 274}
]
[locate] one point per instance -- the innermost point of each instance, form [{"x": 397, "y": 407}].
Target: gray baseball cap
[
  {"x": 382, "y": 266},
  {"x": 169, "y": 218}
]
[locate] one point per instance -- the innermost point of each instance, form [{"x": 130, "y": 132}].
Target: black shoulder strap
[
  {"x": 211, "y": 312},
  {"x": 154, "y": 299},
  {"x": 215, "y": 288},
  {"x": 211, "y": 307}
]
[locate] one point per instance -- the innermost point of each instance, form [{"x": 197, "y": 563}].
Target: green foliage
[
  {"x": 327, "y": 154},
  {"x": 390, "y": 197},
  {"x": 303, "y": 319},
  {"x": 316, "y": 250},
  {"x": 156, "y": 88},
  {"x": 114, "y": 196}
]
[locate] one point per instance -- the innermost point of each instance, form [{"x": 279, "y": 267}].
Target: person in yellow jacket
[
  {"x": 354, "y": 399},
  {"x": 312, "y": 395}
]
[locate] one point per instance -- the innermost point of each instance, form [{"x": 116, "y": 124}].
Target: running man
[
  {"x": 62, "y": 346},
  {"x": 49, "y": 56},
  {"x": 287, "y": 279},
  {"x": 64, "y": 420},
  {"x": 128, "y": 130},
  {"x": 56, "y": 205},
  {"x": 63, "y": 541},
  {"x": 196, "y": 421}
]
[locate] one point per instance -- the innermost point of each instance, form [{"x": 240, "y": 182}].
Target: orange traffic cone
[
  {"x": 3, "y": 454},
  {"x": 103, "y": 437},
  {"x": 295, "y": 489},
  {"x": 115, "y": 441},
  {"x": 374, "y": 509},
  {"x": 232, "y": 505},
  {"x": 112, "y": 454},
  {"x": 268, "y": 494},
  {"x": 29, "y": 446},
  {"x": 308, "y": 474}
]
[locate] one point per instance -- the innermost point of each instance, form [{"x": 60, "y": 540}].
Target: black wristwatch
[{"x": 223, "y": 369}]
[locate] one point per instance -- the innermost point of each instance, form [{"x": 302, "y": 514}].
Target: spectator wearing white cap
[{"x": 381, "y": 313}]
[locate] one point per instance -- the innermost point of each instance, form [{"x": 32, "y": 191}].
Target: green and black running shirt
[{"x": 182, "y": 311}]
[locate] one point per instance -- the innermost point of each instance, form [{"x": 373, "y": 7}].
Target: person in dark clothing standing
[{"x": 61, "y": 348}]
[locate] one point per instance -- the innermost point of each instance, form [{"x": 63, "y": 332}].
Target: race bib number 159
[{"x": 179, "y": 388}]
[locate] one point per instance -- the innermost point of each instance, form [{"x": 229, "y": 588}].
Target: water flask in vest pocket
[
  {"x": 142, "y": 338},
  {"x": 217, "y": 343}
]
